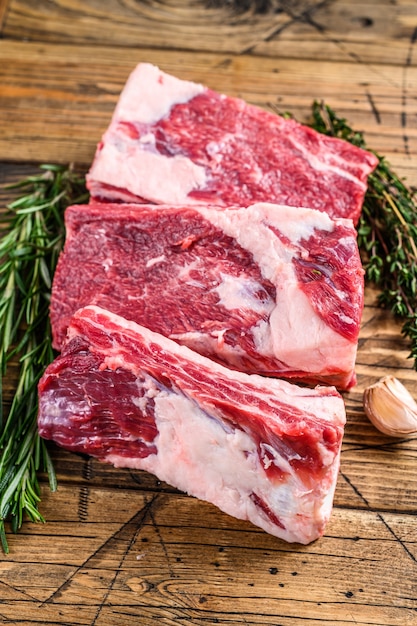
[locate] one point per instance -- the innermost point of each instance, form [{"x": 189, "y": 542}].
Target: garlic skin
[{"x": 390, "y": 407}]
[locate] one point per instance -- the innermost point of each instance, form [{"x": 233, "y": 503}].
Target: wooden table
[{"x": 119, "y": 547}]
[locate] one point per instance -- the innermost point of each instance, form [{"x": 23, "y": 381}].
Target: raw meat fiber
[
  {"x": 172, "y": 141},
  {"x": 266, "y": 289},
  {"x": 260, "y": 449}
]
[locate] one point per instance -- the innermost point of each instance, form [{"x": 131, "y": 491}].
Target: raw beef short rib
[
  {"x": 260, "y": 449},
  {"x": 172, "y": 141},
  {"x": 265, "y": 289}
]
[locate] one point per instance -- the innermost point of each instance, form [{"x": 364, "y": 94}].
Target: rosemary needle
[
  {"x": 387, "y": 230},
  {"x": 31, "y": 237}
]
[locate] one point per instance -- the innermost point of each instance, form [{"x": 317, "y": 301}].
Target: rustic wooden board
[
  {"x": 56, "y": 100},
  {"x": 375, "y": 31},
  {"x": 172, "y": 558},
  {"x": 119, "y": 547}
]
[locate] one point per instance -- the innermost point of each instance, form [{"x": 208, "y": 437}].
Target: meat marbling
[
  {"x": 260, "y": 449},
  {"x": 177, "y": 142},
  {"x": 266, "y": 289}
]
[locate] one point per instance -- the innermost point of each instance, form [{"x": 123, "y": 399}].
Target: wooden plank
[
  {"x": 57, "y": 100},
  {"x": 374, "y": 31},
  {"x": 4, "y": 4},
  {"x": 172, "y": 557}
]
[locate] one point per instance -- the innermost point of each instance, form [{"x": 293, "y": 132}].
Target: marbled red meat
[
  {"x": 176, "y": 142},
  {"x": 260, "y": 449},
  {"x": 264, "y": 289}
]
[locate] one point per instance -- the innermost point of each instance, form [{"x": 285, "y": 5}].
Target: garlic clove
[{"x": 390, "y": 407}]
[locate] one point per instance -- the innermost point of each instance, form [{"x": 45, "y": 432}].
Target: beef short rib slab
[
  {"x": 260, "y": 449},
  {"x": 264, "y": 289},
  {"x": 172, "y": 141}
]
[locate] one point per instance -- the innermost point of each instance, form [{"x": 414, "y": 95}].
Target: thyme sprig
[
  {"x": 387, "y": 230},
  {"x": 31, "y": 237}
]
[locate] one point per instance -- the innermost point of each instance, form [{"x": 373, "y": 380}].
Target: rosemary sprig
[
  {"x": 31, "y": 237},
  {"x": 387, "y": 230}
]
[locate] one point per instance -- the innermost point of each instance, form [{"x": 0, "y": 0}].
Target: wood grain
[
  {"x": 376, "y": 31},
  {"x": 61, "y": 119},
  {"x": 119, "y": 547},
  {"x": 180, "y": 559}
]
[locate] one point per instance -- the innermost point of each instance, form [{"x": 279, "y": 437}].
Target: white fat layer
[
  {"x": 321, "y": 348},
  {"x": 222, "y": 466},
  {"x": 149, "y": 94},
  {"x": 128, "y": 166},
  {"x": 262, "y": 338},
  {"x": 237, "y": 292}
]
